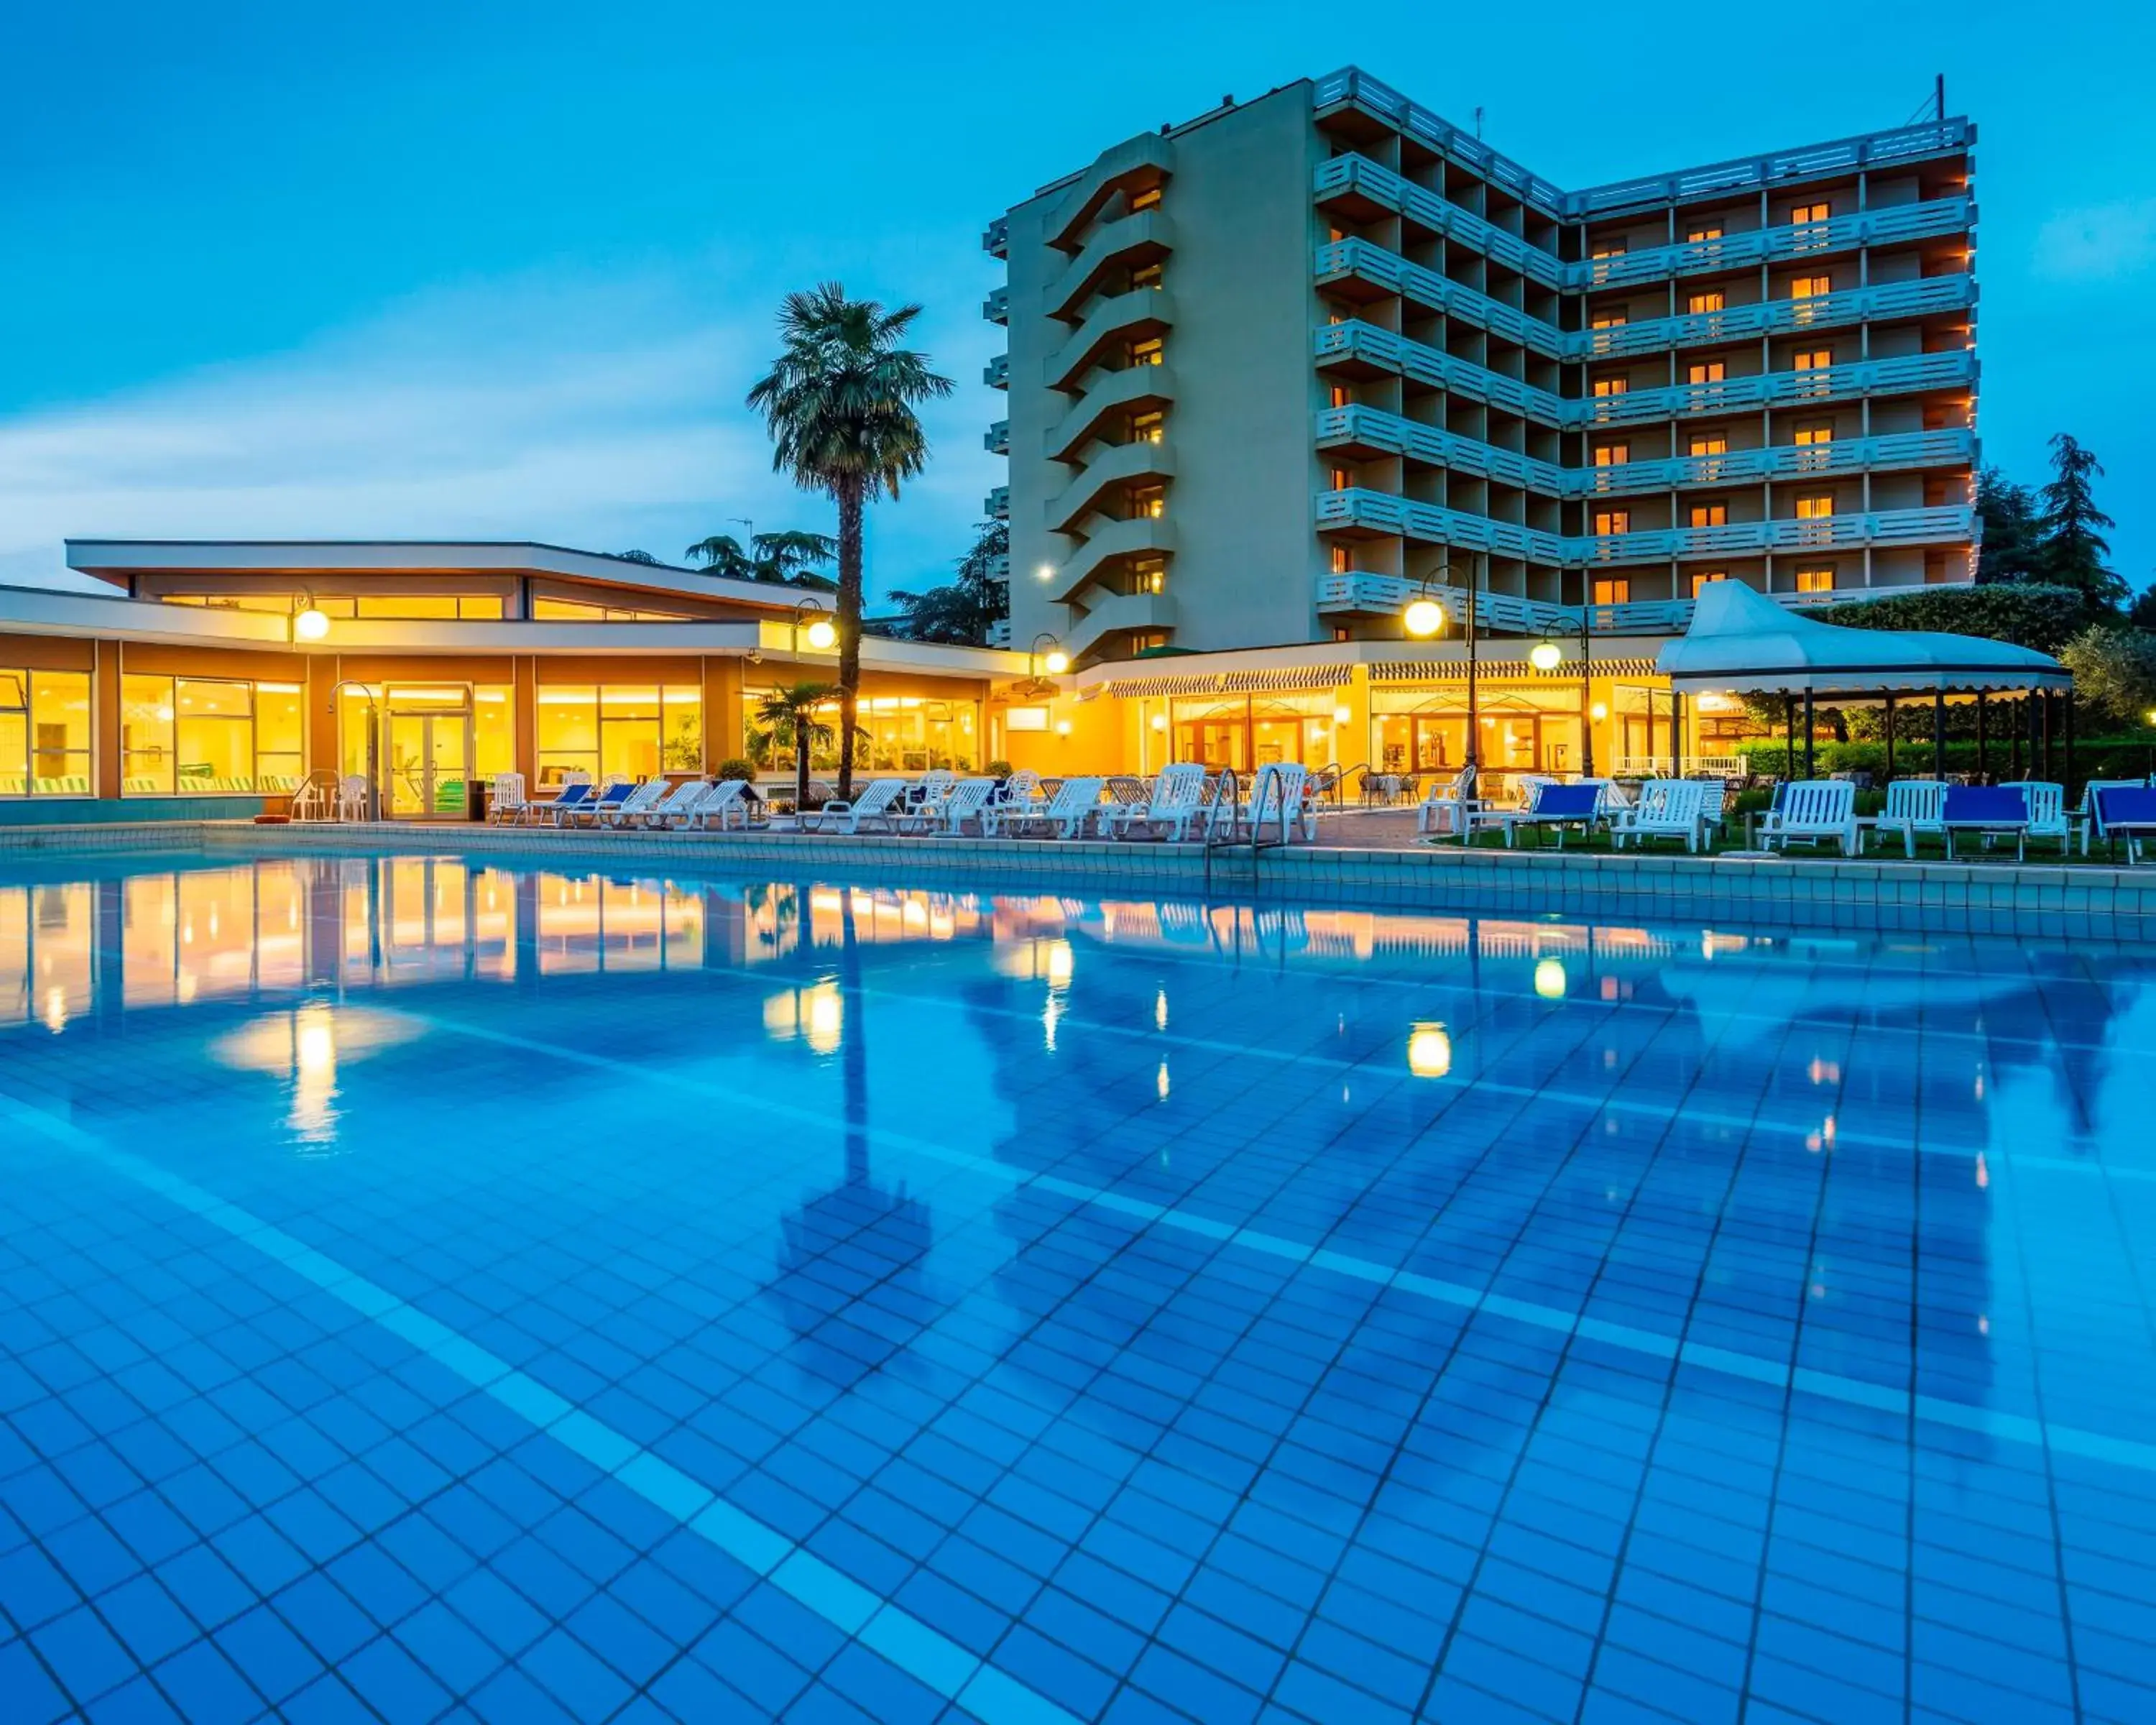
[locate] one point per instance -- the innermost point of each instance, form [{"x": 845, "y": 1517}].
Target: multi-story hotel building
[{"x": 1275, "y": 372}]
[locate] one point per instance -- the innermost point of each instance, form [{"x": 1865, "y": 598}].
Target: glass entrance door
[{"x": 426, "y": 761}]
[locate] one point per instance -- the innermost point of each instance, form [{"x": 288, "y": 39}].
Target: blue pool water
[{"x": 435, "y": 1291}]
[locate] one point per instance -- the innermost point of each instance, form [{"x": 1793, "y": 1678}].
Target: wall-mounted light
[
  {"x": 1160, "y": 721},
  {"x": 820, "y": 635},
  {"x": 309, "y": 621},
  {"x": 1343, "y": 716}
]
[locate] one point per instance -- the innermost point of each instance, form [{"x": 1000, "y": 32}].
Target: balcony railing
[
  {"x": 996, "y": 506},
  {"x": 996, "y": 373},
  {"x": 1354, "y": 88},
  {"x": 1898, "y": 223},
  {"x": 1906, "y": 373},
  {"x": 1372, "y": 428},
  {"x": 996, "y": 241},
  {"x": 996, "y": 440},
  {"x": 996, "y": 308},
  {"x": 1507, "y": 613},
  {"x": 1147, "y": 234},
  {"x": 1361, "y": 260},
  {"x": 1389, "y": 513}
]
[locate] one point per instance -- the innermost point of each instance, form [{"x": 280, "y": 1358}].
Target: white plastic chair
[
  {"x": 729, "y": 802},
  {"x": 2047, "y": 810},
  {"x": 679, "y": 803},
  {"x": 506, "y": 806},
  {"x": 1176, "y": 799},
  {"x": 1063, "y": 815},
  {"x": 947, "y": 815},
  {"x": 1913, "y": 807},
  {"x": 874, "y": 803},
  {"x": 1446, "y": 804},
  {"x": 1811, "y": 811},
  {"x": 2088, "y": 817},
  {"x": 1666, "y": 808},
  {"x": 638, "y": 803}
]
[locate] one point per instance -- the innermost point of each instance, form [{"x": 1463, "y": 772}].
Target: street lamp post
[
  {"x": 1546, "y": 655},
  {"x": 373, "y": 753},
  {"x": 1055, "y": 661}
]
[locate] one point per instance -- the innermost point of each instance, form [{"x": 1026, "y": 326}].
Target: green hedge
[{"x": 2096, "y": 757}]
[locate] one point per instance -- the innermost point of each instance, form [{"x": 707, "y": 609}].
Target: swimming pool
[{"x": 432, "y": 1290}]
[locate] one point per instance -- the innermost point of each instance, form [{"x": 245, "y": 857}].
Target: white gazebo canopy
[{"x": 1741, "y": 642}]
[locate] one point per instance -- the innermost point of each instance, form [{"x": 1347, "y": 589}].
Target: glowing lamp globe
[
  {"x": 1545, "y": 657},
  {"x": 1423, "y": 619},
  {"x": 1057, "y": 662},
  {"x": 1160, "y": 721},
  {"x": 310, "y": 625},
  {"x": 822, "y": 636}
]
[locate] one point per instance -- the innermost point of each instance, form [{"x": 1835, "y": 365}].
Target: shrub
[
  {"x": 738, "y": 767},
  {"x": 1000, "y": 770}
]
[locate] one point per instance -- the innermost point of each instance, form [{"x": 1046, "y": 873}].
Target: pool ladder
[{"x": 1227, "y": 827}]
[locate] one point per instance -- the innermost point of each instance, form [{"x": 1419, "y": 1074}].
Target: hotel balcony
[
  {"x": 996, "y": 240},
  {"x": 1371, "y": 431},
  {"x": 1146, "y": 160},
  {"x": 1364, "y": 595},
  {"x": 1362, "y": 189},
  {"x": 996, "y": 440},
  {"x": 1135, "y": 240},
  {"x": 1362, "y": 271},
  {"x": 996, "y": 506},
  {"x": 1360, "y": 512},
  {"x": 996, "y": 308},
  {"x": 996, "y": 373},
  {"x": 1132, "y": 388},
  {"x": 1362, "y": 349},
  {"x": 1148, "y": 535},
  {"x": 1108, "y": 468},
  {"x": 1112, "y": 614},
  {"x": 1121, "y": 318}
]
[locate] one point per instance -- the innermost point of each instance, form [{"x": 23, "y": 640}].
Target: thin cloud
[
  {"x": 604, "y": 417},
  {"x": 2101, "y": 242}
]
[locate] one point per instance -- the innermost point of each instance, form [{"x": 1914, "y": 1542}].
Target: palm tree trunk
[
  {"x": 801, "y": 729},
  {"x": 850, "y": 501}
]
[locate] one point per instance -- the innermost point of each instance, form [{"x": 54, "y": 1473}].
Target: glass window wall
[
  {"x": 197, "y": 736},
  {"x": 44, "y": 734},
  {"x": 619, "y": 730}
]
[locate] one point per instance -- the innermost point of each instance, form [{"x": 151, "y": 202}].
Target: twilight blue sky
[{"x": 490, "y": 271}]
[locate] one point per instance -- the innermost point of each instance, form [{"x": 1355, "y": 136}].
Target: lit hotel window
[
  {"x": 1804, "y": 212},
  {"x": 1146, "y": 502},
  {"x": 1814, "y": 506},
  {"x": 1608, "y": 320},
  {"x": 1706, "y": 371},
  {"x": 1700, "y": 236},
  {"x": 1151, "y": 352},
  {"x": 1148, "y": 575},
  {"x": 1340, "y": 397},
  {"x": 1811, "y": 359},
  {"x": 1146, "y": 275},
  {"x": 1611, "y": 386},
  {"x": 1608, "y": 249},
  {"x": 1809, "y": 436},
  {"x": 1703, "y": 578},
  {"x": 1147, "y": 199},
  {"x": 1147, "y": 428},
  {"x": 1708, "y": 442},
  {"x": 1612, "y": 454},
  {"x": 1814, "y": 581},
  {"x": 1713, "y": 300},
  {"x": 1342, "y": 479},
  {"x": 1810, "y": 287},
  {"x": 1339, "y": 560},
  {"x": 1708, "y": 515},
  {"x": 1612, "y": 520},
  {"x": 1615, "y": 590}
]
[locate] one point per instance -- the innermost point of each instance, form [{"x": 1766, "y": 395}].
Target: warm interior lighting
[
  {"x": 1341, "y": 716},
  {"x": 822, "y": 637},
  {"x": 1423, "y": 619},
  {"x": 1545, "y": 657},
  {"x": 1430, "y": 1050},
  {"x": 310, "y": 625},
  {"x": 1160, "y": 721}
]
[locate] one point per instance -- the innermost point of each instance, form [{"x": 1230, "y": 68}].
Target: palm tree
[
  {"x": 786, "y": 558},
  {"x": 722, "y": 555},
  {"x": 839, "y": 401},
  {"x": 795, "y": 710}
]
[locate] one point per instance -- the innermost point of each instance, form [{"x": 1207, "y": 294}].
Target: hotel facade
[
  {"x": 1274, "y": 373},
  {"x": 1273, "y": 376}
]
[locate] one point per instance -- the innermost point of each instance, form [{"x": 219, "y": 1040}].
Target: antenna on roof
[
  {"x": 1939, "y": 99},
  {"x": 1478, "y": 125}
]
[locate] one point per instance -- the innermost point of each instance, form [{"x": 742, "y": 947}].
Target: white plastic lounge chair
[
  {"x": 1280, "y": 800},
  {"x": 877, "y": 801},
  {"x": 679, "y": 804},
  {"x": 1062, "y": 816},
  {"x": 507, "y": 805},
  {"x": 1913, "y": 807},
  {"x": 1666, "y": 808},
  {"x": 947, "y": 815},
  {"x": 727, "y": 804},
  {"x": 2047, "y": 810},
  {"x": 1021, "y": 790},
  {"x": 640, "y": 801},
  {"x": 1993, "y": 810},
  {"x": 2088, "y": 818},
  {"x": 1810, "y": 811},
  {"x": 1176, "y": 799},
  {"x": 1446, "y": 804},
  {"x": 570, "y": 810}
]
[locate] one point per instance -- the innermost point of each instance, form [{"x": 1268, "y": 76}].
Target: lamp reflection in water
[
  {"x": 816, "y": 1015},
  {"x": 1430, "y": 1050},
  {"x": 306, "y": 1049},
  {"x": 1550, "y": 978}
]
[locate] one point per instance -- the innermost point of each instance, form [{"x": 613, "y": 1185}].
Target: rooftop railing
[
  {"x": 1351, "y": 87},
  {"x": 1373, "y": 427},
  {"x": 1389, "y": 513},
  {"x": 1508, "y": 614},
  {"x": 1745, "y": 247}
]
